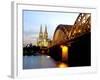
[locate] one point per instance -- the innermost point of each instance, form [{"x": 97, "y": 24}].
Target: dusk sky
[{"x": 32, "y": 20}]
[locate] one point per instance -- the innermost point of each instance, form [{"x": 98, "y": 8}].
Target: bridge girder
[{"x": 81, "y": 26}]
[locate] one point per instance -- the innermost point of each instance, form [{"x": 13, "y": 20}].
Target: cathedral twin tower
[
  {"x": 43, "y": 38},
  {"x": 43, "y": 35}
]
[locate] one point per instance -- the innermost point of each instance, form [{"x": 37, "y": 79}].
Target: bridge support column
[{"x": 64, "y": 53}]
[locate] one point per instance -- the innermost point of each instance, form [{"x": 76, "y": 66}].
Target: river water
[{"x": 33, "y": 62}]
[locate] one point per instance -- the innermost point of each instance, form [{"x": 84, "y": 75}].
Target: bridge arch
[
  {"x": 61, "y": 33},
  {"x": 68, "y": 41}
]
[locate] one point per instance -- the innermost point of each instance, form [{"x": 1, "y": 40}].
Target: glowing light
[
  {"x": 62, "y": 65},
  {"x": 64, "y": 52},
  {"x": 64, "y": 49},
  {"x": 79, "y": 31},
  {"x": 74, "y": 32},
  {"x": 48, "y": 56}
]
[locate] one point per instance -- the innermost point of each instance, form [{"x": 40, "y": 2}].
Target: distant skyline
[{"x": 32, "y": 20}]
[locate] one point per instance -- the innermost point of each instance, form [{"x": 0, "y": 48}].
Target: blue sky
[{"x": 32, "y": 21}]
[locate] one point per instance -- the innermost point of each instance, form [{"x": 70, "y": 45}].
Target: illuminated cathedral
[{"x": 43, "y": 40}]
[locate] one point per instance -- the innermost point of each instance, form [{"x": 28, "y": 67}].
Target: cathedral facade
[{"x": 43, "y": 40}]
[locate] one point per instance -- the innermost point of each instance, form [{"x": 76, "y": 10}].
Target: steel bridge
[{"x": 67, "y": 33}]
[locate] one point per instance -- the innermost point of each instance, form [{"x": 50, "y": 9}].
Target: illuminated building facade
[{"x": 43, "y": 40}]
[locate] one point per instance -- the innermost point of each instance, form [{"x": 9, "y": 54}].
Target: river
[{"x": 33, "y": 62}]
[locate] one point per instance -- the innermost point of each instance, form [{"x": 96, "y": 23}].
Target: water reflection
[
  {"x": 42, "y": 61},
  {"x": 62, "y": 65},
  {"x": 33, "y": 62}
]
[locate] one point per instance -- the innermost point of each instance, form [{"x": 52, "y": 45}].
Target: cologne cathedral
[{"x": 43, "y": 40}]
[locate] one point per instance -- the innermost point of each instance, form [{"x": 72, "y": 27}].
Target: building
[{"x": 43, "y": 40}]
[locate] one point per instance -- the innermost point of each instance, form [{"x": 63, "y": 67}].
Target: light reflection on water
[
  {"x": 36, "y": 62},
  {"x": 62, "y": 65}
]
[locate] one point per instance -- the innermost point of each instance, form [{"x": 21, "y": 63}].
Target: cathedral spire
[
  {"x": 41, "y": 33},
  {"x": 41, "y": 28},
  {"x": 43, "y": 41},
  {"x": 45, "y": 32},
  {"x": 45, "y": 28}
]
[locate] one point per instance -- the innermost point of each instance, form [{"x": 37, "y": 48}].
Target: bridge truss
[{"x": 66, "y": 33}]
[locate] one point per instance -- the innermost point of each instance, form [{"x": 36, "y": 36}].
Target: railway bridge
[
  {"x": 74, "y": 40},
  {"x": 67, "y": 33}
]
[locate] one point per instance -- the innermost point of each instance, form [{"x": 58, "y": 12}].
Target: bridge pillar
[{"x": 64, "y": 52}]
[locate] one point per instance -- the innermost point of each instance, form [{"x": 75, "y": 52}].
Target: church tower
[
  {"x": 42, "y": 41},
  {"x": 41, "y": 33},
  {"x": 45, "y": 33}
]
